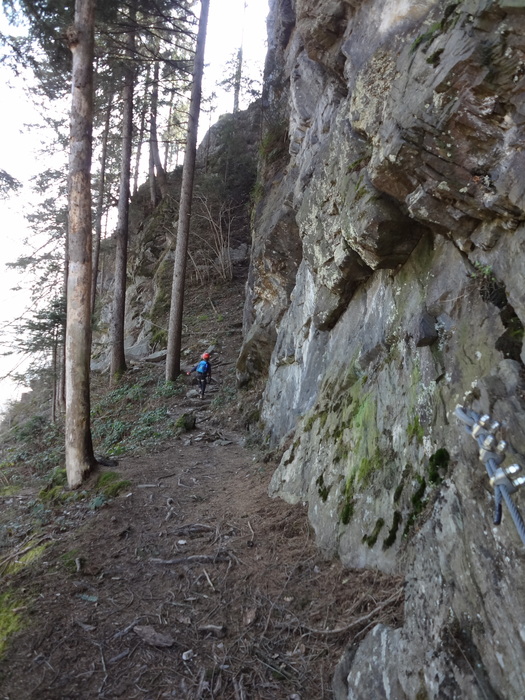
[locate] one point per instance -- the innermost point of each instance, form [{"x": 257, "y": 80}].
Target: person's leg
[{"x": 202, "y": 383}]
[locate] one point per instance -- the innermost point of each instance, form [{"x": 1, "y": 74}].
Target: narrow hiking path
[{"x": 192, "y": 583}]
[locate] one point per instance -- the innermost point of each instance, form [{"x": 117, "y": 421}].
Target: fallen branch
[
  {"x": 192, "y": 529},
  {"x": 354, "y": 623},
  {"x": 127, "y": 629},
  {"x": 196, "y": 559}
]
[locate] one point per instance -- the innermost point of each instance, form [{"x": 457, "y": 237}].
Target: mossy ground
[{"x": 11, "y": 620}]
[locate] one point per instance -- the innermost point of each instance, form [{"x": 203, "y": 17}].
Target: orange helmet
[{"x": 206, "y": 356}]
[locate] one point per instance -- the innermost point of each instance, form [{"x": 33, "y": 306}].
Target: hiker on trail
[{"x": 203, "y": 369}]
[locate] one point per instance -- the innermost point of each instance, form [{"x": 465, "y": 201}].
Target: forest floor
[{"x": 190, "y": 583}]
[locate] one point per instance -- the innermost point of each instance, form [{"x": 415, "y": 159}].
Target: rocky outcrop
[
  {"x": 386, "y": 287},
  {"x": 219, "y": 243}
]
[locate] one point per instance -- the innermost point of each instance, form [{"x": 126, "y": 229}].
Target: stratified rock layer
[{"x": 387, "y": 287}]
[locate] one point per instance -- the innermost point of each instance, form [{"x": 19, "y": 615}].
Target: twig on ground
[
  {"x": 167, "y": 476},
  {"x": 218, "y": 631},
  {"x": 196, "y": 559},
  {"x": 192, "y": 529},
  {"x": 203, "y": 684},
  {"x": 238, "y": 686},
  {"x": 209, "y": 580},
  {"x": 127, "y": 629},
  {"x": 103, "y": 666},
  {"x": 19, "y": 553},
  {"x": 119, "y": 657}
]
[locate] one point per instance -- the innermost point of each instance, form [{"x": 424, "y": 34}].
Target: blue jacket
[{"x": 203, "y": 367}]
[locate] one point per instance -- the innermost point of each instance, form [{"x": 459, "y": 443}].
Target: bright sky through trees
[{"x": 21, "y": 136}]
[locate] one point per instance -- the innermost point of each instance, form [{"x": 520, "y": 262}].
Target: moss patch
[
  {"x": 347, "y": 511},
  {"x": 426, "y": 38},
  {"x": 185, "y": 423},
  {"x": 367, "y": 467},
  {"x": 438, "y": 465},
  {"x": 10, "y": 619},
  {"x": 392, "y": 533},
  {"x": 69, "y": 560},
  {"x": 322, "y": 489},
  {"x": 418, "y": 503},
  {"x": 109, "y": 484},
  {"x": 27, "y": 558},
  {"x": 407, "y": 471},
  {"x": 415, "y": 430},
  {"x": 398, "y": 491},
  {"x": 435, "y": 57},
  {"x": 53, "y": 495},
  {"x": 9, "y": 491},
  {"x": 371, "y": 539}
]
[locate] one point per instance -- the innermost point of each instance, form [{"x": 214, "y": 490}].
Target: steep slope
[
  {"x": 386, "y": 287},
  {"x": 219, "y": 244}
]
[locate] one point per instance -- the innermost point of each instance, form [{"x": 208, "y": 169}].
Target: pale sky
[{"x": 19, "y": 142}]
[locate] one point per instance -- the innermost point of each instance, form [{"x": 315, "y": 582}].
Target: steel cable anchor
[{"x": 504, "y": 480}]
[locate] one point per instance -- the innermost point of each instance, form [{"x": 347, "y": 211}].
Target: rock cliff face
[{"x": 386, "y": 287}]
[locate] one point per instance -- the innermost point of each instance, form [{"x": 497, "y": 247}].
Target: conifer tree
[
  {"x": 8, "y": 184},
  {"x": 118, "y": 358},
  {"x": 186, "y": 195},
  {"x": 79, "y": 448}
]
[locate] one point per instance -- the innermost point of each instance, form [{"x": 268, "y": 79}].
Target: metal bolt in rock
[
  {"x": 484, "y": 420},
  {"x": 492, "y": 453},
  {"x": 502, "y": 447}
]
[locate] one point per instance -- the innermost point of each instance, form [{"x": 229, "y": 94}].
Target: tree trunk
[
  {"x": 152, "y": 181},
  {"x": 118, "y": 359},
  {"x": 61, "y": 397},
  {"x": 153, "y": 137},
  {"x": 186, "y": 194},
  {"x": 238, "y": 70},
  {"x": 79, "y": 447},
  {"x": 100, "y": 203},
  {"x": 237, "y": 81},
  {"x": 141, "y": 133},
  {"x": 54, "y": 399},
  {"x": 167, "y": 145}
]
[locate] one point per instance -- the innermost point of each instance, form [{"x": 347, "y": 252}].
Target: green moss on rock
[
  {"x": 418, "y": 503},
  {"x": 371, "y": 539},
  {"x": 438, "y": 465},
  {"x": 415, "y": 430},
  {"x": 392, "y": 533},
  {"x": 322, "y": 489},
  {"x": 347, "y": 511}
]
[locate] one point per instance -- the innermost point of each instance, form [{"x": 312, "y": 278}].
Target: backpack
[{"x": 203, "y": 367}]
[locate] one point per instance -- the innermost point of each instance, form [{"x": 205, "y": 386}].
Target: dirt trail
[{"x": 191, "y": 584}]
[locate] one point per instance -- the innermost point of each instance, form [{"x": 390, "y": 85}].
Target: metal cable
[{"x": 491, "y": 460}]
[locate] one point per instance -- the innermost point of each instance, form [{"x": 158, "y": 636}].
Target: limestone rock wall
[{"x": 386, "y": 287}]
